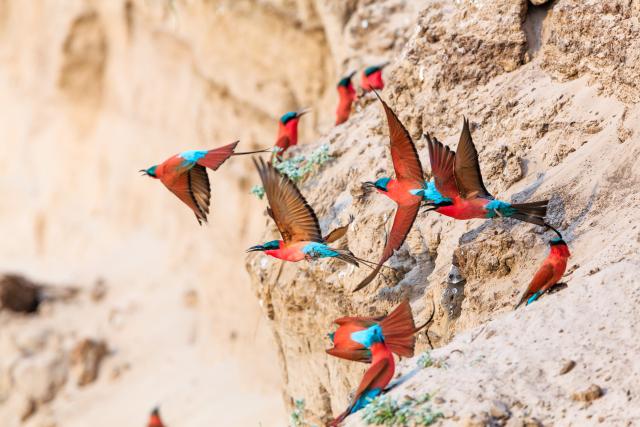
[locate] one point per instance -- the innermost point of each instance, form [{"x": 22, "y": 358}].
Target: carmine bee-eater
[
  {"x": 154, "y": 419},
  {"x": 408, "y": 170},
  {"x": 185, "y": 175},
  {"x": 296, "y": 221},
  {"x": 549, "y": 273},
  {"x": 372, "y": 78},
  {"x": 457, "y": 190},
  {"x": 375, "y": 379},
  {"x": 354, "y": 336},
  {"x": 288, "y": 130},
  {"x": 346, "y": 94}
]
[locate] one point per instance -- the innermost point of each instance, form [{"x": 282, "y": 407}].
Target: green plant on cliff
[
  {"x": 296, "y": 419},
  {"x": 386, "y": 411},
  {"x": 426, "y": 361},
  {"x": 298, "y": 168}
]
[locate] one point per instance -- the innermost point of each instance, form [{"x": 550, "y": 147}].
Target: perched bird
[
  {"x": 375, "y": 379},
  {"x": 347, "y": 95},
  {"x": 296, "y": 221},
  {"x": 457, "y": 190},
  {"x": 549, "y": 273},
  {"x": 154, "y": 419},
  {"x": 352, "y": 340},
  {"x": 408, "y": 170},
  {"x": 184, "y": 174},
  {"x": 372, "y": 78},
  {"x": 288, "y": 130}
]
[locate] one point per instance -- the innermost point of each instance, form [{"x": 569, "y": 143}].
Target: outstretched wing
[
  {"x": 376, "y": 371},
  {"x": 403, "y": 152},
  {"x": 467, "y": 168},
  {"x": 293, "y": 216},
  {"x": 402, "y": 223},
  {"x": 216, "y": 157},
  {"x": 442, "y": 160},
  {"x": 192, "y": 187},
  {"x": 339, "y": 232}
]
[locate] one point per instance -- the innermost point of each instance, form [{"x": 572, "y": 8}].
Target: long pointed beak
[
  {"x": 368, "y": 184},
  {"x": 255, "y": 248},
  {"x": 302, "y": 112},
  {"x": 351, "y": 74},
  {"x": 143, "y": 172}
]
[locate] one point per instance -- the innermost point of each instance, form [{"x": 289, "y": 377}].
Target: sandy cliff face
[{"x": 551, "y": 95}]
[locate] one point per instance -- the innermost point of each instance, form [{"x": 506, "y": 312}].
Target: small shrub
[
  {"x": 297, "y": 168},
  {"x": 426, "y": 361},
  {"x": 386, "y": 411}
]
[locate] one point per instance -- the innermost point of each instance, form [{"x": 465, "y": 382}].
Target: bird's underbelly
[
  {"x": 291, "y": 253},
  {"x": 465, "y": 209},
  {"x": 399, "y": 192}
]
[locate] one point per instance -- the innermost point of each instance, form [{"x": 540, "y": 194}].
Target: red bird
[
  {"x": 457, "y": 189},
  {"x": 351, "y": 339},
  {"x": 549, "y": 273},
  {"x": 288, "y": 130},
  {"x": 372, "y": 78},
  {"x": 408, "y": 169},
  {"x": 347, "y": 95},
  {"x": 154, "y": 419},
  {"x": 185, "y": 175},
  {"x": 374, "y": 381},
  {"x": 296, "y": 221}
]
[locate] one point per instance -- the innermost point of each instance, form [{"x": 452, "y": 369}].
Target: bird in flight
[
  {"x": 185, "y": 175},
  {"x": 408, "y": 175},
  {"x": 296, "y": 222}
]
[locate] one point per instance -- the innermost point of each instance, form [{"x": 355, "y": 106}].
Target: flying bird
[
  {"x": 372, "y": 78},
  {"x": 375, "y": 379},
  {"x": 346, "y": 94},
  {"x": 185, "y": 175},
  {"x": 354, "y": 336},
  {"x": 457, "y": 190},
  {"x": 154, "y": 419},
  {"x": 408, "y": 171},
  {"x": 288, "y": 130},
  {"x": 296, "y": 221},
  {"x": 549, "y": 273}
]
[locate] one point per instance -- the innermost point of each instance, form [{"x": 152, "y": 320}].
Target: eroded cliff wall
[{"x": 551, "y": 95}]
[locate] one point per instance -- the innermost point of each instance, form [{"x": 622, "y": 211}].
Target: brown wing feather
[
  {"x": 293, "y": 216},
  {"x": 403, "y": 152},
  {"x": 402, "y": 222},
  {"x": 467, "y": 168},
  {"x": 192, "y": 187},
  {"x": 442, "y": 160}
]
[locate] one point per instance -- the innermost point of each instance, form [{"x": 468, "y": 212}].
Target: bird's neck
[
  {"x": 290, "y": 130},
  {"x": 560, "y": 251}
]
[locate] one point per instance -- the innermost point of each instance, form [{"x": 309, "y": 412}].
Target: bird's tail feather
[
  {"x": 266, "y": 150},
  {"x": 398, "y": 329},
  {"x": 533, "y": 212},
  {"x": 346, "y": 256}
]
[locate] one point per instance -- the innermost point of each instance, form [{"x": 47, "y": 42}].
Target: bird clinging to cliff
[
  {"x": 154, "y": 419},
  {"x": 549, "y": 273},
  {"x": 288, "y": 130},
  {"x": 353, "y": 338},
  {"x": 374, "y": 380},
  {"x": 408, "y": 170},
  {"x": 296, "y": 221},
  {"x": 185, "y": 175},
  {"x": 346, "y": 94},
  {"x": 372, "y": 78},
  {"x": 457, "y": 190}
]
